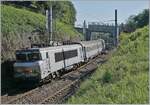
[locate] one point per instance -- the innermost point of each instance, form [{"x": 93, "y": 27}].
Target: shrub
[
  {"x": 124, "y": 78},
  {"x": 107, "y": 77}
]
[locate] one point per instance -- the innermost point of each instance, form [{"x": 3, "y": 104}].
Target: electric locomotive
[{"x": 36, "y": 64}]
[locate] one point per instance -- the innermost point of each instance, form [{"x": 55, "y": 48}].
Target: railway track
[
  {"x": 68, "y": 90},
  {"x": 57, "y": 91}
]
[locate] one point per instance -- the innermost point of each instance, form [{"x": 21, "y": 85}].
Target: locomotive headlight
[
  {"x": 23, "y": 70},
  {"x": 36, "y": 70},
  {"x": 27, "y": 70},
  {"x": 18, "y": 70}
]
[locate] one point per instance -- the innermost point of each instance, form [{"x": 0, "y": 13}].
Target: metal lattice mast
[
  {"x": 49, "y": 24},
  {"x": 116, "y": 28},
  {"x": 84, "y": 29}
]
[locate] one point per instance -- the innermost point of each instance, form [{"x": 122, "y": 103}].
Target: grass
[
  {"x": 124, "y": 78},
  {"x": 20, "y": 20},
  {"x": 18, "y": 24}
]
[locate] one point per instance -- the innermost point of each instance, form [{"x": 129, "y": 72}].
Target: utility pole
[
  {"x": 116, "y": 29},
  {"x": 49, "y": 23}
]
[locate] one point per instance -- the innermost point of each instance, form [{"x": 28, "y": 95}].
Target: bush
[
  {"x": 124, "y": 78},
  {"x": 19, "y": 24},
  {"x": 107, "y": 77}
]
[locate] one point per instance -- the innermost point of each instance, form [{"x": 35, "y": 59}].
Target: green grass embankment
[
  {"x": 18, "y": 24},
  {"x": 124, "y": 78}
]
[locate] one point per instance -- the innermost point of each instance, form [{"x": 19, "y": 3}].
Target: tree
[
  {"x": 63, "y": 11},
  {"x": 137, "y": 21},
  {"x": 130, "y": 24},
  {"x": 142, "y": 19}
]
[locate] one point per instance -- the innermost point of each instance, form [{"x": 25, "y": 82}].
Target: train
[{"x": 38, "y": 64}]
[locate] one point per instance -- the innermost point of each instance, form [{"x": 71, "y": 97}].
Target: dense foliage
[
  {"x": 19, "y": 24},
  {"x": 62, "y": 10},
  {"x": 136, "y": 21},
  {"x": 124, "y": 78}
]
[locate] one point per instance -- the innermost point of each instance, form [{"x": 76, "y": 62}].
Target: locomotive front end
[{"x": 27, "y": 65}]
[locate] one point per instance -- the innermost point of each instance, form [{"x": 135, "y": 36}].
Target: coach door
[
  {"x": 84, "y": 53},
  {"x": 45, "y": 65},
  {"x": 48, "y": 61}
]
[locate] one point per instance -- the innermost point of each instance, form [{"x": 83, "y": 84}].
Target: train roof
[
  {"x": 58, "y": 47},
  {"x": 84, "y": 43},
  {"x": 48, "y": 48},
  {"x": 91, "y": 42}
]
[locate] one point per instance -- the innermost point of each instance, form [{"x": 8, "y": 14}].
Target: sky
[{"x": 103, "y": 10}]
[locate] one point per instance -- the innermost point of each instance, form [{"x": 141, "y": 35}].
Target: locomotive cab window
[
  {"x": 28, "y": 56},
  {"x": 21, "y": 57},
  {"x": 34, "y": 56}
]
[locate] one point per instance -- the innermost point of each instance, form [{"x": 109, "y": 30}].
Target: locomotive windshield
[{"x": 28, "y": 56}]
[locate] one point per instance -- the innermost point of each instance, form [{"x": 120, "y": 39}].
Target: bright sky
[{"x": 103, "y": 10}]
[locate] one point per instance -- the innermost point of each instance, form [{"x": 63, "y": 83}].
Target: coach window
[
  {"x": 70, "y": 54},
  {"x": 59, "y": 56}
]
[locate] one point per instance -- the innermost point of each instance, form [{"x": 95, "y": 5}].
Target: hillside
[
  {"x": 18, "y": 24},
  {"x": 62, "y": 10},
  {"x": 124, "y": 78}
]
